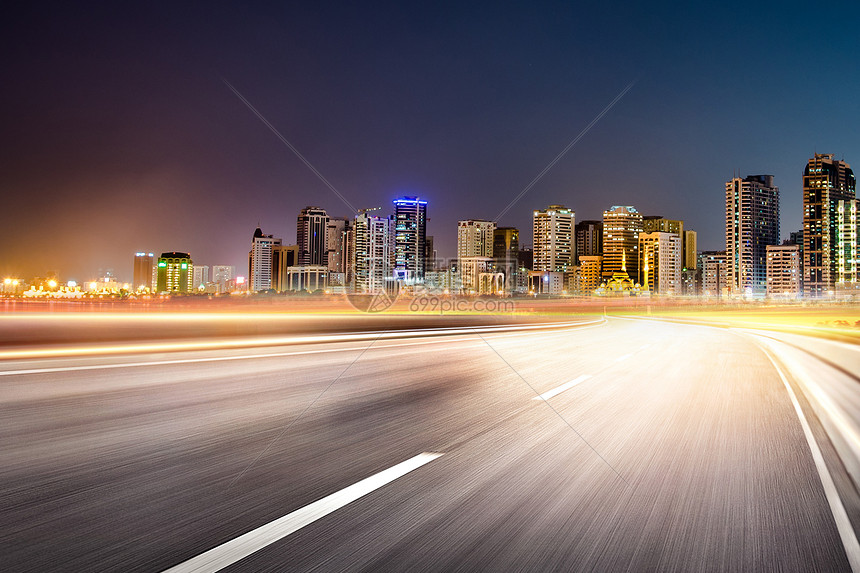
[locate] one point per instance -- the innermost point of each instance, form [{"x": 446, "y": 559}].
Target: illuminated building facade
[
  {"x": 410, "y": 234},
  {"x": 826, "y": 181},
  {"x": 144, "y": 267},
  {"x": 846, "y": 244},
  {"x": 553, "y": 239},
  {"x": 260, "y": 261},
  {"x": 690, "y": 246},
  {"x": 373, "y": 253},
  {"x": 224, "y": 277},
  {"x": 714, "y": 273},
  {"x": 200, "y": 277},
  {"x": 752, "y": 223},
  {"x": 661, "y": 262},
  {"x": 589, "y": 274},
  {"x": 175, "y": 271},
  {"x": 312, "y": 235},
  {"x": 621, "y": 228},
  {"x": 475, "y": 238},
  {"x": 783, "y": 271}
]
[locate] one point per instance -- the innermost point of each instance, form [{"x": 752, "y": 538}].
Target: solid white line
[
  {"x": 622, "y": 358},
  {"x": 562, "y": 388},
  {"x": 644, "y": 346},
  {"x": 843, "y": 524},
  {"x": 251, "y": 542}
]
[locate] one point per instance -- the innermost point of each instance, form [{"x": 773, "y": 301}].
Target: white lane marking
[
  {"x": 251, "y": 542},
  {"x": 623, "y": 358},
  {"x": 644, "y": 346},
  {"x": 50, "y": 370},
  {"x": 562, "y": 388},
  {"x": 843, "y": 524}
]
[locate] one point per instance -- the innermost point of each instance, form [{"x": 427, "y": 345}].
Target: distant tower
[
  {"x": 621, "y": 228},
  {"x": 661, "y": 262},
  {"x": 311, "y": 236},
  {"x": 144, "y": 264},
  {"x": 175, "y": 271},
  {"x": 826, "y": 181},
  {"x": 260, "y": 261},
  {"x": 553, "y": 239},
  {"x": 752, "y": 223},
  {"x": 410, "y": 232}
]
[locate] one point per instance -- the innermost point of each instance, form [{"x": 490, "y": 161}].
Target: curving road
[{"x": 622, "y": 445}]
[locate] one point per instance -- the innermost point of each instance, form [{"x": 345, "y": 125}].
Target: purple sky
[{"x": 120, "y": 136}]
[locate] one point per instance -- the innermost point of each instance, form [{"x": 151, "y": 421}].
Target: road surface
[{"x": 619, "y": 445}]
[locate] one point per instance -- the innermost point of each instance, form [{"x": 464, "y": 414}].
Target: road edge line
[{"x": 837, "y": 509}]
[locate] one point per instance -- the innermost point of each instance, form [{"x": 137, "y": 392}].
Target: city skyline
[{"x": 161, "y": 155}]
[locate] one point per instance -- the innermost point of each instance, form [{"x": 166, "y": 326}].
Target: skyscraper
[
  {"x": 373, "y": 252},
  {"x": 311, "y": 236},
  {"x": 589, "y": 240},
  {"x": 690, "y": 246},
  {"x": 410, "y": 232},
  {"x": 661, "y": 262},
  {"x": 175, "y": 271},
  {"x": 621, "y": 228},
  {"x": 553, "y": 239},
  {"x": 283, "y": 257},
  {"x": 752, "y": 223},
  {"x": 826, "y": 181},
  {"x": 143, "y": 270},
  {"x": 847, "y": 267},
  {"x": 335, "y": 231},
  {"x": 260, "y": 261}
]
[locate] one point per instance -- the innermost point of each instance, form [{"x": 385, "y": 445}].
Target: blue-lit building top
[{"x": 410, "y": 233}]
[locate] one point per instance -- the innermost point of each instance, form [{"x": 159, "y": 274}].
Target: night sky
[{"x": 119, "y": 134}]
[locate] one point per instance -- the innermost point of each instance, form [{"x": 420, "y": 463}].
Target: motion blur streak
[{"x": 127, "y": 469}]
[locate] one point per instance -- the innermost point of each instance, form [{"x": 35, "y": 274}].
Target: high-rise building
[
  {"x": 783, "y": 271},
  {"x": 144, "y": 263},
  {"x": 826, "y": 181},
  {"x": 846, "y": 244},
  {"x": 589, "y": 273},
  {"x": 475, "y": 238},
  {"x": 506, "y": 247},
  {"x": 589, "y": 240},
  {"x": 373, "y": 252},
  {"x": 410, "y": 233},
  {"x": 690, "y": 240},
  {"x": 175, "y": 271},
  {"x": 335, "y": 231},
  {"x": 553, "y": 239},
  {"x": 312, "y": 235},
  {"x": 223, "y": 277},
  {"x": 260, "y": 261},
  {"x": 621, "y": 227},
  {"x": 200, "y": 277},
  {"x": 752, "y": 223},
  {"x": 661, "y": 262},
  {"x": 714, "y": 273}
]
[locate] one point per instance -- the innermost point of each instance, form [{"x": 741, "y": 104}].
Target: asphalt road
[{"x": 655, "y": 447}]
